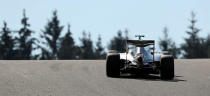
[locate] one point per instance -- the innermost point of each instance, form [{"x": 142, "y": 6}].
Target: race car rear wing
[{"x": 141, "y": 43}]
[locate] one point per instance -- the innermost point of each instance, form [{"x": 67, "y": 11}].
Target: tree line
[
  {"x": 194, "y": 46},
  {"x": 20, "y": 44}
]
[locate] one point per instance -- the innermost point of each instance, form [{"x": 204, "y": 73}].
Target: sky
[{"x": 107, "y": 17}]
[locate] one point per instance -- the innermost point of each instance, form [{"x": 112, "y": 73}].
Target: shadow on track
[{"x": 151, "y": 78}]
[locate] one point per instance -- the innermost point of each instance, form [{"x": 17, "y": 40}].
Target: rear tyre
[
  {"x": 113, "y": 65},
  {"x": 167, "y": 67}
]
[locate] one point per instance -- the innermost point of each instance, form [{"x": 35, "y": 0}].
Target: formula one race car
[{"x": 140, "y": 58}]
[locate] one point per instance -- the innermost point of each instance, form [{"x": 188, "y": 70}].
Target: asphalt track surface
[{"x": 87, "y": 78}]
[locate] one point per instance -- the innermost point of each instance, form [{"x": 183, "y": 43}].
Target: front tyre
[
  {"x": 167, "y": 67},
  {"x": 113, "y": 65}
]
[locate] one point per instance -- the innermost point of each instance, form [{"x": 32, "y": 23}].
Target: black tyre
[
  {"x": 167, "y": 67},
  {"x": 113, "y": 65}
]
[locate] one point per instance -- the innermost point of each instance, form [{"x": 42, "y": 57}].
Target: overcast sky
[{"x": 106, "y": 17}]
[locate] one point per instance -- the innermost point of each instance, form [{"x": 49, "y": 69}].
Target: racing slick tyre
[
  {"x": 167, "y": 67},
  {"x": 113, "y": 65}
]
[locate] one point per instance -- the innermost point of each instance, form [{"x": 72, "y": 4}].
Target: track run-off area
[{"x": 88, "y": 78}]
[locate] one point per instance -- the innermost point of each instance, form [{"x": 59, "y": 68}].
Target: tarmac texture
[{"x": 88, "y": 78}]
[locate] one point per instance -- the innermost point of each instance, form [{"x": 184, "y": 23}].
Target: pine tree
[
  {"x": 118, "y": 43},
  {"x": 25, "y": 41},
  {"x": 7, "y": 44},
  {"x": 67, "y": 50},
  {"x": 126, "y": 34},
  {"x": 192, "y": 47},
  {"x": 174, "y": 50},
  {"x": 87, "y": 49},
  {"x": 208, "y": 46},
  {"x": 99, "y": 52},
  {"x": 166, "y": 44},
  {"x": 51, "y": 34}
]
